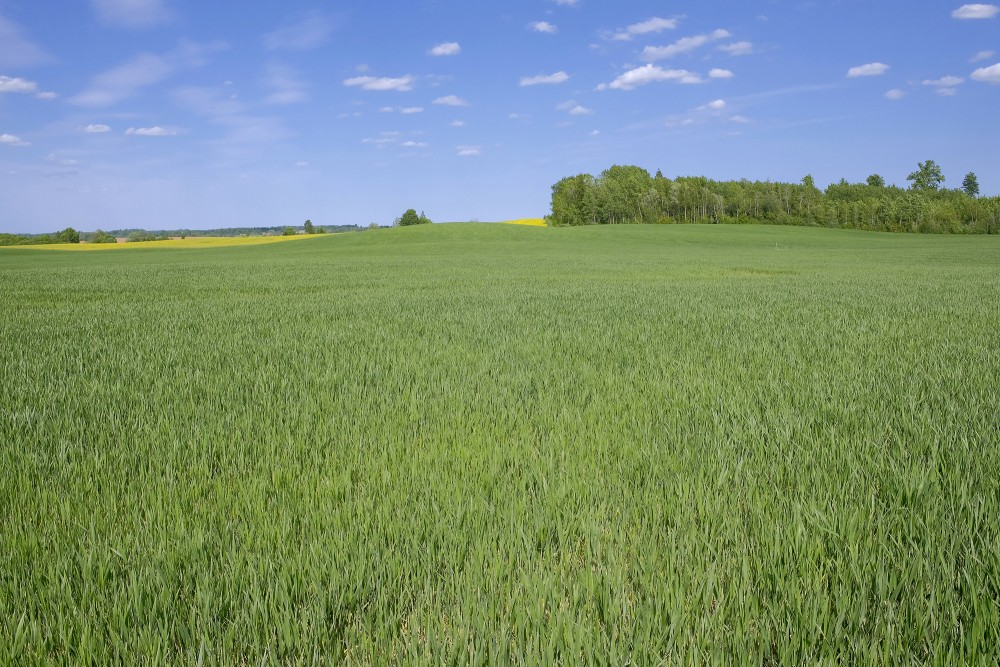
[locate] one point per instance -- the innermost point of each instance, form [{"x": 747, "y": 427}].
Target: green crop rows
[{"x": 478, "y": 444}]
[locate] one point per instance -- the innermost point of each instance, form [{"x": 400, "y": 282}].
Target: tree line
[{"x": 630, "y": 195}]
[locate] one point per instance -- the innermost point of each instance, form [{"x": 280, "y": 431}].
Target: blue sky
[{"x": 187, "y": 113}]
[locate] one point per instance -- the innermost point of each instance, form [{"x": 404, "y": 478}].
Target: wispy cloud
[
  {"x": 541, "y": 79},
  {"x": 989, "y": 74},
  {"x": 982, "y": 55},
  {"x": 683, "y": 45},
  {"x": 446, "y": 49},
  {"x": 131, "y": 13},
  {"x": 451, "y": 101},
  {"x": 146, "y": 69},
  {"x": 543, "y": 26},
  {"x": 301, "y": 33},
  {"x": 11, "y": 140},
  {"x": 976, "y": 12},
  {"x": 97, "y": 128},
  {"x": 400, "y": 83},
  {"x": 285, "y": 85},
  {"x": 945, "y": 86},
  {"x": 737, "y": 48},
  {"x": 16, "y": 50},
  {"x": 895, "y": 94},
  {"x": 871, "y": 69},
  {"x": 469, "y": 151},
  {"x": 640, "y": 76},
  {"x": 717, "y": 73},
  {"x": 155, "y": 131},
  {"x": 653, "y": 25}
]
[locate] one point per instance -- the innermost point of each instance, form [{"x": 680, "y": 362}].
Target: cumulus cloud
[
  {"x": 446, "y": 49},
  {"x": 716, "y": 105},
  {"x": 469, "y": 151},
  {"x": 543, "y": 26},
  {"x": 683, "y": 45},
  {"x": 640, "y": 76},
  {"x": 131, "y": 13},
  {"x": 982, "y": 55},
  {"x": 155, "y": 131},
  {"x": 871, "y": 69},
  {"x": 653, "y": 25},
  {"x": 11, "y": 140},
  {"x": 975, "y": 12},
  {"x": 401, "y": 83},
  {"x": 946, "y": 85},
  {"x": 989, "y": 74},
  {"x": 895, "y": 94},
  {"x": 451, "y": 101},
  {"x": 414, "y": 144},
  {"x": 301, "y": 33},
  {"x": 97, "y": 128},
  {"x": 16, "y": 85},
  {"x": 717, "y": 73},
  {"x": 558, "y": 77},
  {"x": 737, "y": 48},
  {"x": 580, "y": 110}
]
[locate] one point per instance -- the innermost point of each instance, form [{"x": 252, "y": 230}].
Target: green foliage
[
  {"x": 876, "y": 181},
  {"x": 928, "y": 176},
  {"x": 308, "y": 227},
  {"x": 140, "y": 236},
  {"x": 970, "y": 185},
  {"x": 640, "y": 445},
  {"x": 409, "y": 218},
  {"x": 102, "y": 237},
  {"x": 288, "y": 231},
  {"x": 630, "y": 195}
]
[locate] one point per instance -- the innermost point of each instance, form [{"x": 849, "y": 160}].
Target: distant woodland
[{"x": 629, "y": 195}]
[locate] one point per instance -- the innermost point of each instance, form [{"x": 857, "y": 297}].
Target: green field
[{"x": 504, "y": 444}]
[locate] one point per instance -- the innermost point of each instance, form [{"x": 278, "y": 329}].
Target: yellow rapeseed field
[
  {"x": 533, "y": 222},
  {"x": 191, "y": 242}
]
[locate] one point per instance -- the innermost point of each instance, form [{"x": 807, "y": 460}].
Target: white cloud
[
  {"x": 944, "y": 82},
  {"x": 683, "y": 45},
  {"x": 640, "y": 76},
  {"x": 519, "y": 116},
  {"x": 47, "y": 95},
  {"x": 469, "y": 151},
  {"x": 742, "y": 120},
  {"x": 975, "y": 12},
  {"x": 401, "y": 83},
  {"x": 871, "y": 69},
  {"x": 558, "y": 77},
  {"x": 16, "y": 50},
  {"x": 717, "y": 105},
  {"x": 446, "y": 49},
  {"x": 895, "y": 94},
  {"x": 543, "y": 26},
  {"x": 738, "y": 48},
  {"x": 288, "y": 89},
  {"x": 11, "y": 140},
  {"x": 451, "y": 101},
  {"x": 131, "y": 13},
  {"x": 304, "y": 32},
  {"x": 386, "y": 110},
  {"x": 144, "y": 70},
  {"x": 458, "y": 123},
  {"x": 655, "y": 24},
  {"x": 96, "y": 129},
  {"x": 414, "y": 144},
  {"x": 411, "y": 110},
  {"x": 155, "y": 131},
  {"x": 982, "y": 55},
  {"x": 989, "y": 74},
  {"x": 580, "y": 110},
  {"x": 717, "y": 73},
  {"x": 17, "y": 85}
]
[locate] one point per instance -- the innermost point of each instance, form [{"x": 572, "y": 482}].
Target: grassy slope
[{"x": 516, "y": 443}]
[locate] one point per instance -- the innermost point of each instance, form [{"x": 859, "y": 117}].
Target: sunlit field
[
  {"x": 190, "y": 242},
  {"x": 488, "y": 444}
]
